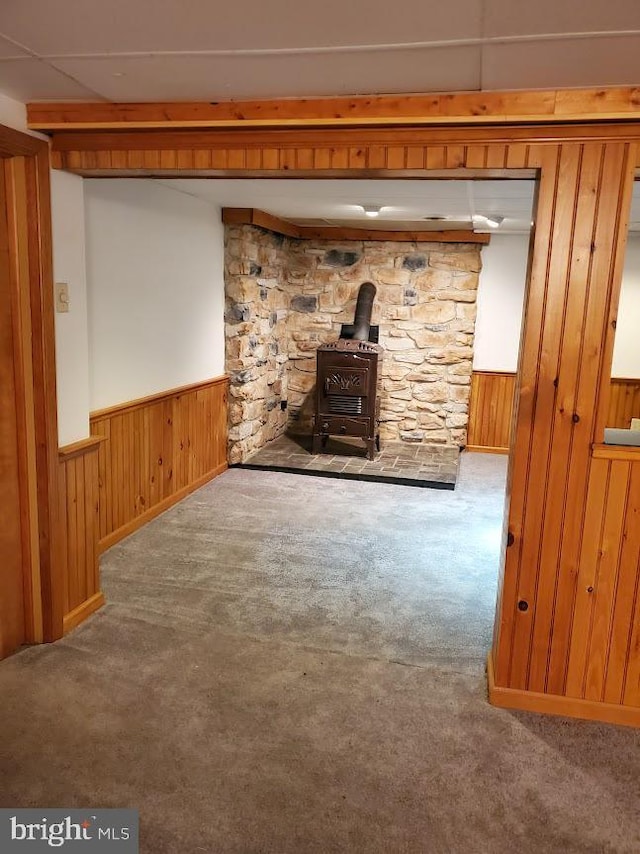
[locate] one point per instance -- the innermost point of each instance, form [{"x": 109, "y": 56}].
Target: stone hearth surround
[{"x": 285, "y": 297}]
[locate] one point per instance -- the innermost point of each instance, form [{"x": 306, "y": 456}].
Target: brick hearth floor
[{"x": 432, "y": 466}]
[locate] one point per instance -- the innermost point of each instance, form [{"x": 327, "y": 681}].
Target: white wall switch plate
[{"x": 62, "y": 296}]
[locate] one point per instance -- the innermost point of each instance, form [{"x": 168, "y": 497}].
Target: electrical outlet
[
  {"x": 62, "y": 296},
  {"x": 635, "y": 423}
]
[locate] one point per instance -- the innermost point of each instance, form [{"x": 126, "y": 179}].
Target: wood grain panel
[
  {"x": 575, "y": 270},
  {"x": 330, "y": 151},
  {"x": 14, "y": 562},
  {"x": 253, "y": 216},
  {"x": 155, "y": 451},
  {"x": 79, "y": 513},
  {"x": 624, "y": 402},
  {"x": 26, "y": 278},
  {"x": 476, "y": 107},
  {"x": 491, "y": 411},
  {"x": 604, "y": 658},
  {"x": 334, "y": 152}
]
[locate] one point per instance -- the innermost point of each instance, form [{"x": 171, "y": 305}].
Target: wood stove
[{"x": 347, "y": 382}]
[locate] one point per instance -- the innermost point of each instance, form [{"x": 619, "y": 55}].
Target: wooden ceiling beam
[
  {"x": 553, "y": 105},
  {"x": 252, "y": 216},
  {"x": 175, "y": 139}
]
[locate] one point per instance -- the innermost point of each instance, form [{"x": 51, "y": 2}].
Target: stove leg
[
  {"x": 370, "y": 448},
  {"x": 319, "y": 442}
]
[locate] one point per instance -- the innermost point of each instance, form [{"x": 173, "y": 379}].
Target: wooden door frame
[
  {"x": 586, "y": 168},
  {"x": 26, "y": 162}
]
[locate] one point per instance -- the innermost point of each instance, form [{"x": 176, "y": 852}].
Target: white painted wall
[
  {"x": 155, "y": 274},
  {"x": 626, "y": 350},
  {"x": 500, "y": 303},
  {"x": 72, "y": 347},
  {"x": 13, "y": 113}
]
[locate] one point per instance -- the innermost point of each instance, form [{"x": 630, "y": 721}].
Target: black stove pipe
[{"x": 364, "y": 307}]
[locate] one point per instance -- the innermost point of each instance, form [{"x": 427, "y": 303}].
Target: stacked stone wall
[
  {"x": 256, "y": 308},
  {"x": 285, "y": 297}
]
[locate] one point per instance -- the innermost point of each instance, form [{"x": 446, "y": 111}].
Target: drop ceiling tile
[
  {"x": 9, "y": 51},
  {"x": 34, "y": 80},
  {"x": 201, "y": 78},
  {"x": 509, "y": 18},
  {"x": 604, "y": 61},
  {"x": 404, "y": 201},
  {"x": 93, "y": 26}
]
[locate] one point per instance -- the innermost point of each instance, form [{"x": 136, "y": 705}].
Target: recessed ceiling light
[{"x": 371, "y": 210}]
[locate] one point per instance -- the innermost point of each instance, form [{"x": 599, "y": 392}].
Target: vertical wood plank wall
[
  {"x": 570, "y": 509},
  {"x": 581, "y": 227},
  {"x": 603, "y": 663},
  {"x": 155, "y": 451},
  {"x": 78, "y": 499},
  {"x": 29, "y": 391},
  {"x": 491, "y": 411},
  {"x": 492, "y": 400},
  {"x": 624, "y": 402}
]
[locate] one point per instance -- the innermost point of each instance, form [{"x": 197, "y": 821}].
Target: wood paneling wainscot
[
  {"x": 491, "y": 411},
  {"x": 624, "y": 402},
  {"x": 491, "y": 408},
  {"x": 78, "y": 483},
  {"x": 155, "y": 452}
]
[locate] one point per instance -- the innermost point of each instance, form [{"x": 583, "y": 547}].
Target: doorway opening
[{"x": 283, "y": 300}]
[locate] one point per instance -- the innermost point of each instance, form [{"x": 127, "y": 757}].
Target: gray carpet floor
[{"x": 296, "y": 664}]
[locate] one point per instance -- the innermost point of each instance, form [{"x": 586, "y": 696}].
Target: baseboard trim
[
  {"x": 554, "y": 704},
  {"x": 124, "y": 531},
  {"x": 84, "y": 610},
  {"x": 481, "y": 449}
]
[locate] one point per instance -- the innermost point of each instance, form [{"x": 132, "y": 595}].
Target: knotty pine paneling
[
  {"x": 585, "y": 179},
  {"x": 583, "y": 208},
  {"x": 604, "y": 654},
  {"x": 417, "y": 109},
  {"x": 491, "y": 411},
  {"x": 492, "y": 400},
  {"x": 624, "y": 402},
  {"x": 155, "y": 451},
  {"x": 78, "y": 513},
  {"x": 327, "y": 151}
]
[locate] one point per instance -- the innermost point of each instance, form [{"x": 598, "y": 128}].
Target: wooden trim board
[
  {"x": 429, "y": 109},
  {"x": 83, "y": 611},
  {"x": 124, "y": 531},
  {"x": 553, "y": 704},
  {"x": 262, "y": 219},
  {"x": 141, "y": 402},
  {"x": 26, "y": 198},
  {"x": 76, "y": 449}
]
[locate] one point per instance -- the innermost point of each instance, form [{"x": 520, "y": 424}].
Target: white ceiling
[
  {"x": 156, "y": 50},
  {"x": 406, "y": 204}
]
